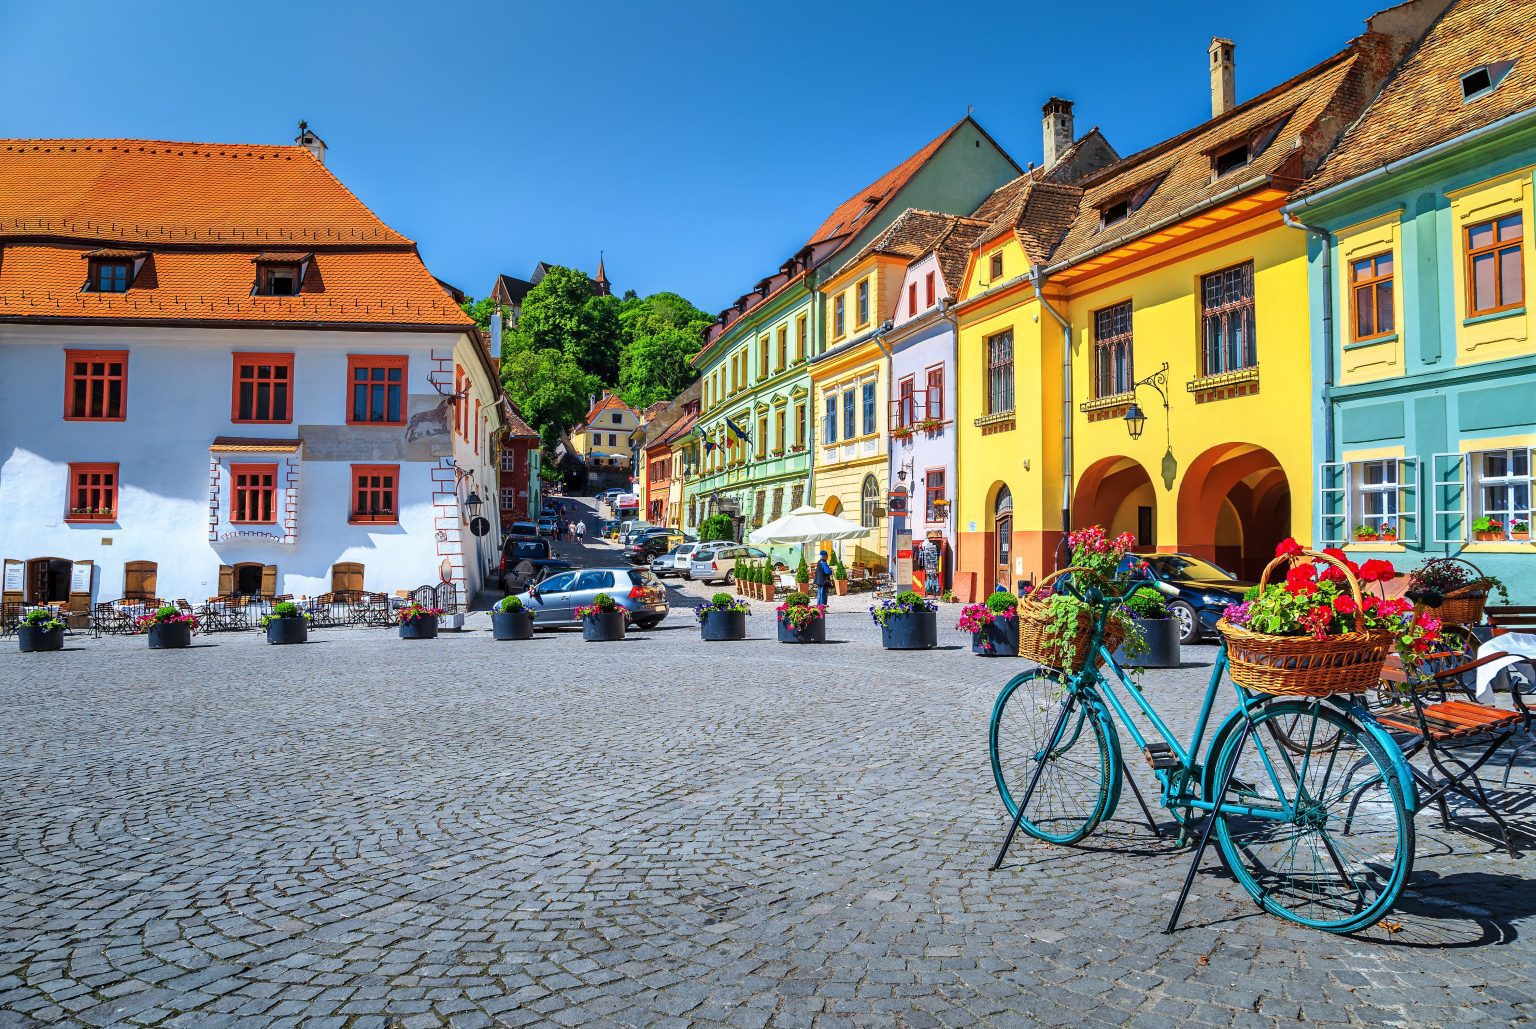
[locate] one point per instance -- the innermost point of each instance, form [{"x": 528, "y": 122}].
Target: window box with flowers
[
  {"x": 1385, "y": 532},
  {"x": 801, "y": 621},
  {"x": 931, "y": 426},
  {"x": 603, "y": 620},
  {"x": 1520, "y": 531},
  {"x": 1487, "y": 529},
  {"x": 908, "y": 621},
  {"x": 994, "y": 625},
  {"x": 903, "y": 433},
  {"x": 419, "y": 622}
]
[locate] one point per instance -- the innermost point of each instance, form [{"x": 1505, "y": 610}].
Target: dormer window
[
  {"x": 280, "y": 274},
  {"x": 1230, "y": 159},
  {"x": 110, "y": 276},
  {"x": 1235, "y": 155},
  {"x": 1479, "y": 82},
  {"x": 1118, "y": 211}
]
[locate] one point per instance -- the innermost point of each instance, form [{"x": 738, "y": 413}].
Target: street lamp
[
  {"x": 472, "y": 505},
  {"x": 1135, "y": 419}
]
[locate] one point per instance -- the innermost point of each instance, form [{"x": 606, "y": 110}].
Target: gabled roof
[
  {"x": 1422, "y": 105},
  {"x": 954, "y": 247},
  {"x": 517, "y": 426},
  {"x": 148, "y": 191},
  {"x": 913, "y": 232},
  {"x": 1036, "y": 210},
  {"x": 677, "y": 430},
  {"x": 607, "y": 402},
  {"x": 513, "y": 288}
]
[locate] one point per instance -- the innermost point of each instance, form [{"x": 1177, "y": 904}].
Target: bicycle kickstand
[
  {"x": 1146, "y": 812},
  {"x": 1034, "y": 780},
  {"x": 1210, "y": 823}
]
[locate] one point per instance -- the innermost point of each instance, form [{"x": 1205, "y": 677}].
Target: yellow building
[
  {"x": 602, "y": 438},
  {"x": 1165, "y": 278}
]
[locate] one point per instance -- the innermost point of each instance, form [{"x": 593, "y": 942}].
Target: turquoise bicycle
[{"x": 1309, "y": 801}]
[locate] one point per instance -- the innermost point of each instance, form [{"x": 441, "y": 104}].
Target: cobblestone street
[{"x": 367, "y": 831}]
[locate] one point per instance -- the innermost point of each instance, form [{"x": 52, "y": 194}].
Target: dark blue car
[{"x": 1196, "y": 590}]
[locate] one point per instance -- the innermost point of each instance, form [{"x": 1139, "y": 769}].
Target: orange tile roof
[
  {"x": 604, "y": 403},
  {"x": 1422, "y": 105},
  {"x": 147, "y": 191},
  {"x": 856, "y": 211},
  {"x": 203, "y": 214}
]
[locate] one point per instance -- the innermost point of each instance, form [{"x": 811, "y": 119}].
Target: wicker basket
[
  {"x": 1300, "y": 666},
  {"x": 1463, "y": 606},
  {"x": 1036, "y": 645}
]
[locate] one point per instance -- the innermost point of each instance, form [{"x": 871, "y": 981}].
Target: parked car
[
  {"x": 523, "y": 529},
  {"x": 700, "y": 550},
  {"x": 548, "y": 525},
  {"x": 515, "y": 550},
  {"x": 719, "y": 564},
  {"x": 652, "y": 544},
  {"x": 608, "y": 496},
  {"x": 663, "y": 565},
  {"x": 1197, "y": 590},
  {"x": 632, "y": 528},
  {"x": 555, "y": 600}
]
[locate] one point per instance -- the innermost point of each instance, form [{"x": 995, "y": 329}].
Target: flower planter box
[
  {"x": 288, "y": 630},
  {"x": 1369, "y": 537},
  {"x": 718, "y": 626},
  {"x": 33, "y": 640},
  {"x": 1489, "y": 536},
  {"x": 1519, "y": 537},
  {"x": 603, "y": 628},
  {"x": 1162, "y": 636},
  {"x": 814, "y": 631},
  {"x": 916, "y": 630},
  {"x": 841, "y": 585},
  {"x": 169, "y": 636},
  {"x": 999, "y": 638},
  {"x": 511, "y": 625},
  {"x": 423, "y": 628}
]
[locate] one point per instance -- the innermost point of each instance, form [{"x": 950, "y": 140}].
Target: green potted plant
[
  {"x": 840, "y": 578},
  {"x": 801, "y": 621},
  {"x": 994, "y": 625},
  {"x": 803, "y": 575},
  {"x": 908, "y": 621},
  {"x": 512, "y": 620},
  {"x": 168, "y": 628},
  {"x": 1454, "y": 590},
  {"x": 739, "y": 577},
  {"x": 1056, "y": 618},
  {"x": 1520, "y": 530},
  {"x": 1389, "y": 532},
  {"x": 1487, "y": 529},
  {"x": 1366, "y": 534},
  {"x": 603, "y": 620},
  {"x": 1156, "y": 627},
  {"x": 723, "y": 618},
  {"x": 286, "y": 623},
  {"x": 419, "y": 622},
  {"x": 40, "y": 630}
]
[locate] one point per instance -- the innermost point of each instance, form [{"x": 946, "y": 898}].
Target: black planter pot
[
  {"x": 512, "y": 625},
  {"x": 918, "y": 630},
  {"x": 33, "y": 640},
  {"x": 288, "y": 630},
  {"x": 723, "y": 625},
  {"x": 814, "y": 631},
  {"x": 170, "y": 636},
  {"x": 423, "y": 628},
  {"x": 1003, "y": 636},
  {"x": 603, "y": 628},
  {"x": 1162, "y": 636}
]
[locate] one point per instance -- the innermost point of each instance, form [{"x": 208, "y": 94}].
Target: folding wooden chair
[{"x": 1457, "y": 735}]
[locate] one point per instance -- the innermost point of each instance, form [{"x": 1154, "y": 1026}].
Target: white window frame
[
  {"x": 1449, "y": 507},
  {"x": 1479, "y": 483},
  {"x": 1341, "y": 493}
]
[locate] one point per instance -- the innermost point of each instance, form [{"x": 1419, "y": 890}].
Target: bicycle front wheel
[
  {"x": 1321, "y": 837},
  {"x": 1037, "y": 723}
]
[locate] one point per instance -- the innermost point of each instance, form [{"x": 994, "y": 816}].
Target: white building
[{"x": 221, "y": 374}]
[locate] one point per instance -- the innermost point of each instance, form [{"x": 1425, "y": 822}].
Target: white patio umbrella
[{"x": 807, "y": 525}]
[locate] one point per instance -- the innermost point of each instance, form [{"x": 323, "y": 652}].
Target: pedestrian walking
[
  {"x": 581, "y": 530},
  {"x": 823, "y": 578}
]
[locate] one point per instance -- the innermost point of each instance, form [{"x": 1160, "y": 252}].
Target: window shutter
[
  {"x": 346, "y": 575},
  {"x": 1449, "y": 501},
  {"x": 226, "y": 580},
  {"x": 139, "y": 579},
  {"x": 1408, "y": 500},
  {"x": 269, "y": 580},
  {"x": 1334, "y": 507}
]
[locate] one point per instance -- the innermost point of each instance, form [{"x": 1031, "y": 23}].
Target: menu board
[
  {"x": 80, "y": 578},
  {"x": 15, "y": 576}
]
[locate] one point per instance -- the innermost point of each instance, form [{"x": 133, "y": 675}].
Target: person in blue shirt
[{"x": 823, "y": 578}]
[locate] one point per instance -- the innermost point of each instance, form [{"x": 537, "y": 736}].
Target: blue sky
[{"x": 697, "y": 143}]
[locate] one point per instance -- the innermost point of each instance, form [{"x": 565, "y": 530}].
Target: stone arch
[
  {"x": 1234, "y": 506},
  {"x": 1111, "y": 492}
]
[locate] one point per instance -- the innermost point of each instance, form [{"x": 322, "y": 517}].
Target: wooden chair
[{"x": 1456, "y": 734}]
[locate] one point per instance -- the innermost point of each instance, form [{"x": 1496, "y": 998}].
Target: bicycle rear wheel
[
  {"x": 1322, "y": 838},
  {"x": 1078, "y": 781}
]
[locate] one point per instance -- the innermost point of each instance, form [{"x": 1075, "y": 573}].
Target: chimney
[
  {"x": 311, "y": 142},
  {"x": 1223, "y": 72},
  {"x": 1057, "y": 128}
]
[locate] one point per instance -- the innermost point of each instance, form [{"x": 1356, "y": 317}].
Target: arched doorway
[
  {"x": 1234, "y": 507},
  {"x": 1117, "y": 493},
  {"x": 1002, "y": 536},
  {"x": 48, "y": 580}
]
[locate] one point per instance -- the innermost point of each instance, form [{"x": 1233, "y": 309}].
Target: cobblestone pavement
[{"x": 368, "y": 831}]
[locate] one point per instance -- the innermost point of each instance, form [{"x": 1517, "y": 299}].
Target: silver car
[
  {"x": 719, "y": 564},
  {"x": 698, "y": 553},
  {"x": 674, "y": 561},
  {"x": 555, "y": 600}
]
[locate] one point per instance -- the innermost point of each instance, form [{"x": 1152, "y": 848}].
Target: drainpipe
[
  {"x": 1326, "y": 264},
  {"x": 890, "y": 370},
  {"x": 1037, "y": 277},
  {"x": 947, "y": 312},
  {"x": 813, "y": 333}
]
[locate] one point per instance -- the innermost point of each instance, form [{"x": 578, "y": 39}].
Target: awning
[
  {"x": 807, "y": 525},
  {"x": 253, "y": 445}
]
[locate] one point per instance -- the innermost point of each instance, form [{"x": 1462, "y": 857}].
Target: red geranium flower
[
  {"x": 1301, "y": 580},
  {"x": 1377, "y": 570},
  {"x": 1332, "y": 572},
  {"x": 1287, "y": 547},
  {"x": 1344, "y": 604}
]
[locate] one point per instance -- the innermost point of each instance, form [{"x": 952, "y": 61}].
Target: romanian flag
[{"x": 737, "y": 431}]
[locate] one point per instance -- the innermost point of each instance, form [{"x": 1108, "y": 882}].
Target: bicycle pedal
[{"x": 1160, "y": 756}]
